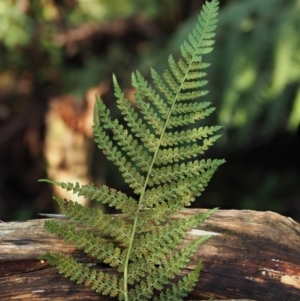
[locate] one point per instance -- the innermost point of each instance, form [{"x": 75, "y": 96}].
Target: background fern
[{"x": 161, "y": 168}]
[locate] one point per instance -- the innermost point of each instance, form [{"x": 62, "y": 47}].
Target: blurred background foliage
[{"x": 56, "y": 54}]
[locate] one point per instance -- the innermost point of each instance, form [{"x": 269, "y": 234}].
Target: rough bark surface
[{"x": 251, "y": 256}]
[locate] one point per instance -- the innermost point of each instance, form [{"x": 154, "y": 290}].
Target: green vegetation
[
  {"x": 50, "y": 49},
  {"x": 161, "y": 167}
]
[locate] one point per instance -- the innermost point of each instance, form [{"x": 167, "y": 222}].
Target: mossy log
[{"x": 250, "y": 256}]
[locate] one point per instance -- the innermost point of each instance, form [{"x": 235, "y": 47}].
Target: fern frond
[
  {"x": 168, "y": 270},
  {"x": 134, "y": 122},
  {"x": 97, "y": 247},
  {"x": 160, "y": 213},
  {"x": 129, "y": 172},
  {"x": 155, "y": 244},
  {"x": 127, "y": 143},
  {"x": 180, "y": 190},
  {"x": 181, "y": 120},
  {"x": 161, "y": 166},
  {"x": 91, "y": 217},
  {"x": 148, "y": 112},
  {"x": 191, "y": 169},
  {"x": 139, "y": 82},
  {"x": 171, "y": 155},
  {"x": 192, "y": 135},
  {"x": 159, "y": 84},
  {"x": 100, "y": 282},
  {"x": 102, "y": 194},
  {"x": 154, "y": 247},
  {"x": 180, "y": 289}
]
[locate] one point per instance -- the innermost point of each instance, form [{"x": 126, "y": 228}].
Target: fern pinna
[{"x": 157, "y": 157}]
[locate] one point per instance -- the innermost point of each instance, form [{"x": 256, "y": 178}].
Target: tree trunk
[{"x": 250, "y": 256}]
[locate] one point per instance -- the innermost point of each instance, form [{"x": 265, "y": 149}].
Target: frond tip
[{"x": 159, "y": 151}]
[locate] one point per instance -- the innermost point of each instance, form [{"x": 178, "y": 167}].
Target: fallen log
[{"x": 250, "y": 256}]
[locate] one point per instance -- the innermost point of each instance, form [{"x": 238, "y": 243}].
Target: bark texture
[{"x": 250, "y": 256}]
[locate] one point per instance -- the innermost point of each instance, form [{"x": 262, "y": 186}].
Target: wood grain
[{"x": 251, "y": 256}]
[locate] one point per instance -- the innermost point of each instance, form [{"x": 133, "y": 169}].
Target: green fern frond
[
  {"x": 82, "y": 274},
  {"x": 124, "y": 140},
  {"x": 159, "y": 159},
  {"x": 165, "y": 239},
  {"x": 191, "y": 169},
  {"x": 193, "y": 135},
  {"x": 181, "y": 288},
  {"x": 135, "y": 124},
  {"x": 165, "y": 271},
  {"x": 180, "y": 190},
  {"x": 140, "y": 83},
  {"x": 97, "y": 247},
  {"x": 170, "y": 155},
  {"x": 90, "y": 217},
  {"x": 102, "y": 194}
]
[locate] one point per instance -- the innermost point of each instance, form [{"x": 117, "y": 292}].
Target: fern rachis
[{"x": 159, "y": 165}]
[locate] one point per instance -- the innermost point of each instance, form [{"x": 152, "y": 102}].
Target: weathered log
[{"x": 252, "y": 255}]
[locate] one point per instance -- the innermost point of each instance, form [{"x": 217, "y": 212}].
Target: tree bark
[{"x": 250, "y": 256}]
